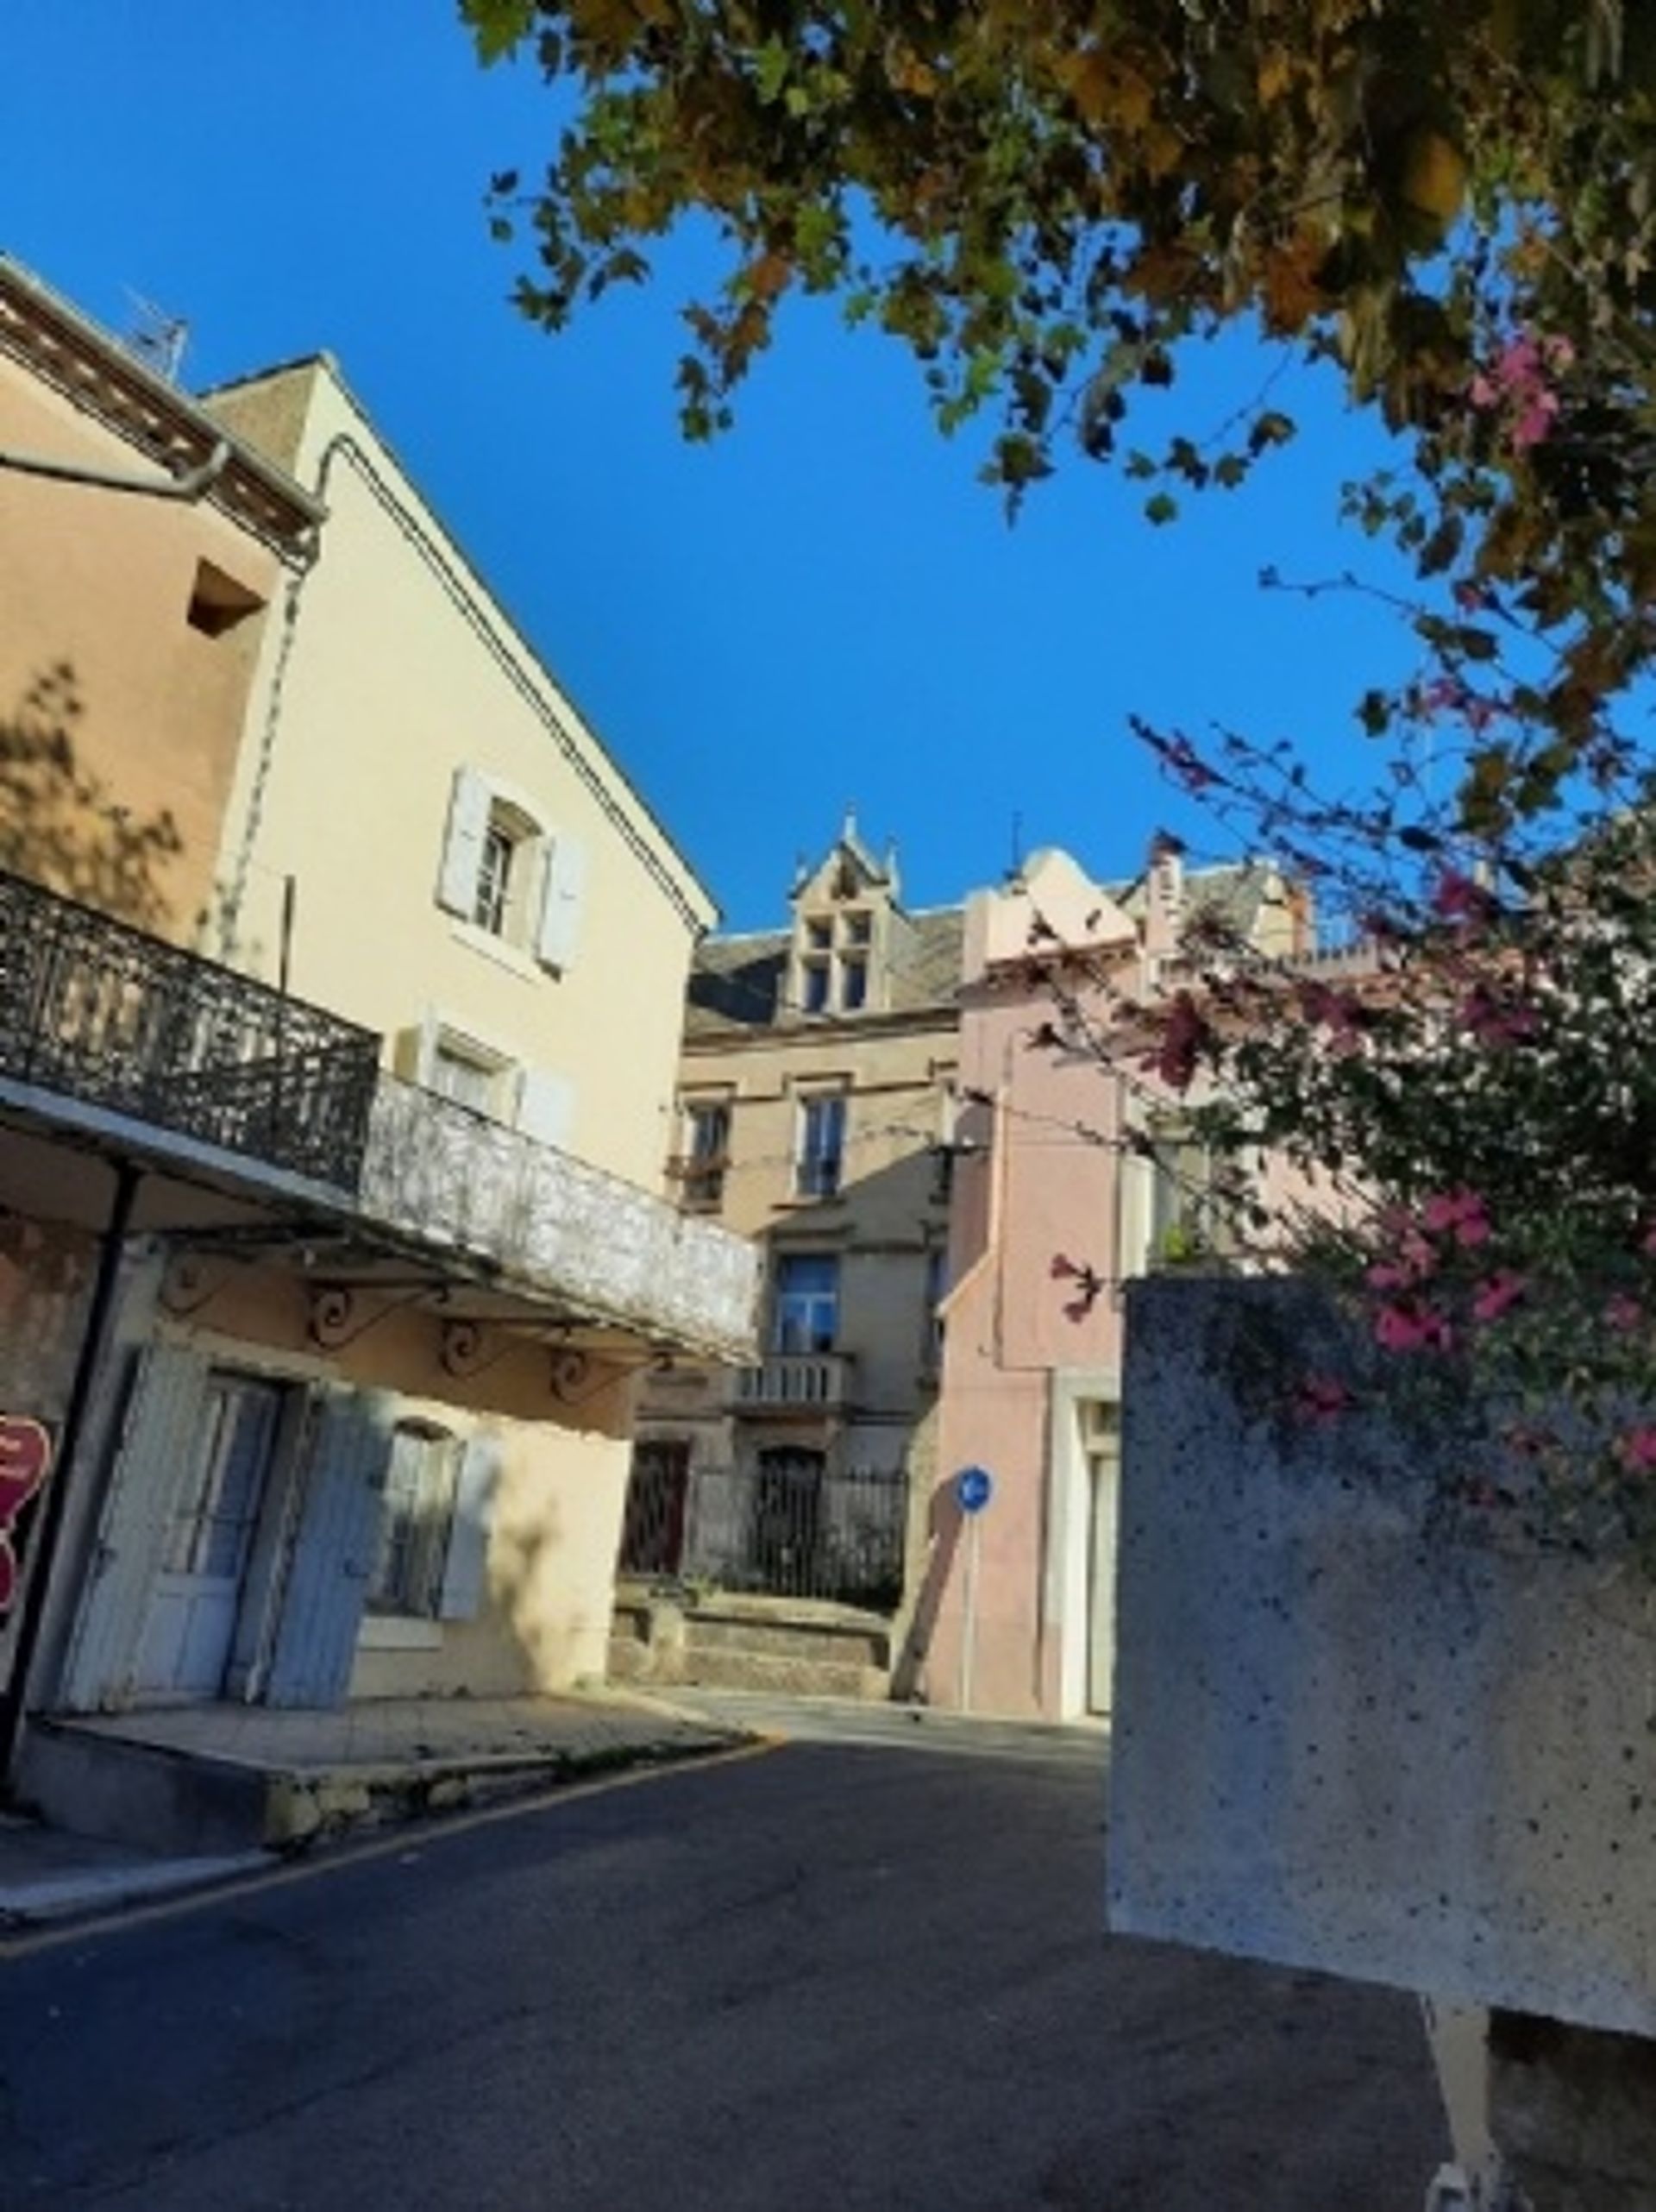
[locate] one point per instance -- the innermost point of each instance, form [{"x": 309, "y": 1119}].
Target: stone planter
[{"x": 1345, "y": 1737}]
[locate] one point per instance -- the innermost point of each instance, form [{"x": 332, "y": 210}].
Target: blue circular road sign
[{"x": 973, "y": 1487}]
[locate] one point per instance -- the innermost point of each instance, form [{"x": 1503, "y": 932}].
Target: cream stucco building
[{"x": 365, "y": 1188}]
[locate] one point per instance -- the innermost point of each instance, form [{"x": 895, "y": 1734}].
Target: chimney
[{"x": 1164, "y": 896}]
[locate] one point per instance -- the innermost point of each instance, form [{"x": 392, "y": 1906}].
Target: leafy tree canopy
[{"x": 1043, "y": 199}]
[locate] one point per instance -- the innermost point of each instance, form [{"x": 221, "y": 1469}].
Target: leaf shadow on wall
[{"x": 60, "y": 824}]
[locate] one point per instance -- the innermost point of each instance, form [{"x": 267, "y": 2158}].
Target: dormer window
[{"x": 834, "y": 954}]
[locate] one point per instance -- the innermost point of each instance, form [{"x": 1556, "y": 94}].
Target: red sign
[{"x": 25, "y": 1460}]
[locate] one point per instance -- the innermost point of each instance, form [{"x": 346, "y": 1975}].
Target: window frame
[
  {"x": 796, "y": 1311},
  {"x": 405, "y": 1581},
  {"x": 702, "y": 1168},
  {"x": 819, "y": 1168}
]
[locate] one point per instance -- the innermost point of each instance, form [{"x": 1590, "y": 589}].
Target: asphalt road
[{"x": 824, "y": 1978}]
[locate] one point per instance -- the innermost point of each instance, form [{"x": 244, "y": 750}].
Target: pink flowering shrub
[{"x": 1465, "y": 1103}]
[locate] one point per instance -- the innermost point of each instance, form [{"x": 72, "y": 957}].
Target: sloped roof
[
  {"x": 1235, "y": 895},
  {"x": 738, "y": 981}
]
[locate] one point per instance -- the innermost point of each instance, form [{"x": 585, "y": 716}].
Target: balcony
[
  {"x": 98, "y": 1012},
  {"x": 794, "y": 1382},
  {"x": 440, "y": 1175}
]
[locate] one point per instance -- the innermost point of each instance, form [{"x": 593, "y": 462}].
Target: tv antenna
[{"x": 156, "y": 338}]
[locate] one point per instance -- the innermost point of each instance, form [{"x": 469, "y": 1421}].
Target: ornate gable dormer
[{"x": 844, "y": 913}]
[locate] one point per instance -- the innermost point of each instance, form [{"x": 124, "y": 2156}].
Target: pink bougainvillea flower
[
  {"x": 1623, "y": 1313},
  {"x": 1493, "y": 1020},
  {"x": 1502, "y": 1291},
  {"x": 1412, "y": 1328},
  {"x": 1183, "y": 1035},
  {"x": 1637, "y": 1450},
  {"x": 1322, "y": 1397},
  {"x": 1457, "y": 1213},
  {"x": 1457, "y": 897}
]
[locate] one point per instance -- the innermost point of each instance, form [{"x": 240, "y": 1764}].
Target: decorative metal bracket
[
  {"x": 466, "y": 1349},
  {"x": 190, "y": 1283},
  {"x": 334, "y": 1321}
]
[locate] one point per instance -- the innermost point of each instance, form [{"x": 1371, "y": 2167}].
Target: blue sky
[{"x": 823, "y": 607}]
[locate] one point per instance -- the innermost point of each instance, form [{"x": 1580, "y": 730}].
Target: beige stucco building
[
  {"x": 365, "y": 1209},
  {"x": 131, "y": 622},
  {"x": 816, "y": 1113}
]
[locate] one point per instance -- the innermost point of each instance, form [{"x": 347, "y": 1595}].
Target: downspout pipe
[
  {"x": 193, "y": 485},
  {"x": 49, "y": 1528}
]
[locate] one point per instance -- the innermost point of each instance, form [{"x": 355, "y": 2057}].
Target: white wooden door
[
  {"x": 190, "y": 1623},
  {"x": 1102, "y": 1441}
]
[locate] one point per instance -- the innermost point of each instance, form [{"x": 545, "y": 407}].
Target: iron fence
[
  {"x": 107, "y": 1014},
  {"x": 788, "y": 1526}
]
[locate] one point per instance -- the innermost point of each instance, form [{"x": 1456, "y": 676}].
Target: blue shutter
[
  {"x": 159, "y": 1439},
  {"x": 333, "y": 1553},
  {"x": 465, "y": 1575}
]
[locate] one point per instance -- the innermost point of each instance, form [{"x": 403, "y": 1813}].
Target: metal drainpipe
[{"x": 49, "y": 1528}]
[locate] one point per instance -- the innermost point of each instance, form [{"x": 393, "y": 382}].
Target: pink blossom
[
  {"x": 1458, "y": 898},
  {"x": 1637, "y": 1450},
  {"x": 1624, "y": 1313},
  {"x": 1412, "y": 1328},
  {"x": 1501, "y": 1290},
  {"x": 1495, "y": 1020},
  {"x": 1459, "y": 1214},
  {"x": 1183, "y": 1035},
  {"x": 1322, "y": 1397},
  {"x": 1647, "y": 1242}
]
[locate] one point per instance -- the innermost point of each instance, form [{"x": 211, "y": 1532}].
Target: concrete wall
[{"x": 1345, "y": 1737}]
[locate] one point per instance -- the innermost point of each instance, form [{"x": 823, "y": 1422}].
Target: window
[
  {"x": 213, "y": 1524},
  {"x": 416, "y": 1523},
  {"x": 936, "y": 1285},
  {"x": 707, "y": 1131},
  {"x": 1187, "y": 1208},
  {"x": 505, "y": 873},
  {"x": 822, "y": 1144},
  {"x": 834, "y": 952},
  {"x": 464, "y": 1077},
  {"x": 806, "y": 1315},
  {"x": 490, "y": 906}
]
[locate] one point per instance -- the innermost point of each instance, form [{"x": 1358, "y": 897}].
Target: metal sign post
[{"x": 973, "y": 1487}]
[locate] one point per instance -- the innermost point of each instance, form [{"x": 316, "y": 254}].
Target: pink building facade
[{"x": 1015, "y": 1613}]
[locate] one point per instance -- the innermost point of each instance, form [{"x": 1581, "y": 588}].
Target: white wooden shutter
[
  {"x": 546, "y": 1106},
  {"x": 563, "y": 881},
  {"x": 159, "y": 1440},
  {"x": 465, "y": 1573},
  {"x": 334, "y": 1551},
  {"x": 414, "y": 1049},
  {"x": 462, "y": 843}
]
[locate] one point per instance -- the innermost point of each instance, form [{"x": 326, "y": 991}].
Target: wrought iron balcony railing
[
  {"x": 96, "y": 1011},
  {"x": 445, "y": 1175}
]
